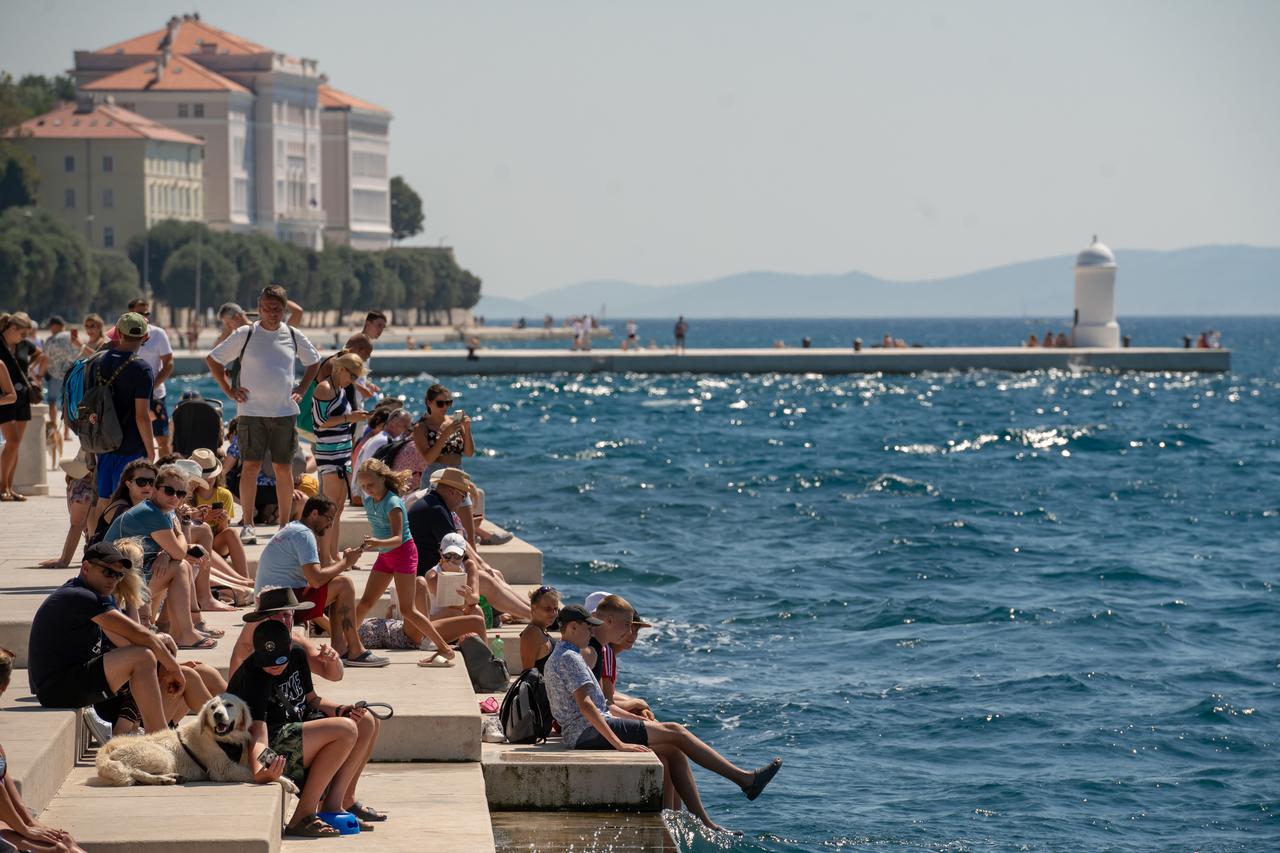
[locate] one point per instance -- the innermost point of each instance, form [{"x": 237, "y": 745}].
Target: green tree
[
  {"x": 45, "y": 266},
  {"x": 218, "y": 277},
  {"x": 163, "y": 239},
  {"x": 406, "y": 210},
  {"x": 19, "y": 179},
  {"x": 413, "y": 268},
  {"x": 117, "y": 283},
  {"x": 32, "y": 95}
]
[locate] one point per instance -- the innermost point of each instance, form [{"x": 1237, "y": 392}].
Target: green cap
[{"x": 132, "y": 325}]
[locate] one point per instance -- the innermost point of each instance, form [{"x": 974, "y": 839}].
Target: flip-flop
[
  {"x": 386, "y": 713},
  {"x": 761, "y": 778},
  {"x": 311, "y": 826},
  {"x": 216, "y": 633},
  {"x": 203, "y": 645},
  {"x": 437, "y": 660}
]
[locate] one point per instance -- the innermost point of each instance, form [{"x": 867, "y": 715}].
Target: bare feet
[{"x": 214, "y": 605}]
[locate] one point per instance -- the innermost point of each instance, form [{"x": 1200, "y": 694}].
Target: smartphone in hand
[{"x": 267, "y": 757}]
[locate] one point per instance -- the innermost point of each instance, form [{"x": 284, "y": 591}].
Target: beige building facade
[
  {"x": 111, "y": 174},
  {"x": 356, "y": 176},
  {"x": 260, "y": 114}
]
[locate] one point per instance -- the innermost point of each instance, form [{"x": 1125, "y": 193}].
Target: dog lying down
[{"x": 189, "y": 753}]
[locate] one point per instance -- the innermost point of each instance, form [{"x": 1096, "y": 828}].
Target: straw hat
[
  {"x": 210, "y": 467},
  {"x": 453, "y": 477}
]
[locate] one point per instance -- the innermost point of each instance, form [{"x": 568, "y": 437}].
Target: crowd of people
[{"x": 156, "y": 509}]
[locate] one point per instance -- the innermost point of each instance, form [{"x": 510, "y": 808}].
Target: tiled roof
[
  {"x": 332, "y": 99},
  {"x": 190, "y": 36},
  {"x": 179, "y": 75},
  {"x": 104, "y": 121}
]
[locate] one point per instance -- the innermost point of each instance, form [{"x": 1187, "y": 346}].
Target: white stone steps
[
  {"x": 40, "y": 742},
  {"x": 549, "y": 776}
]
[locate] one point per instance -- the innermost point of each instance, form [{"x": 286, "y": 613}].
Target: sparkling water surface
[{"x": 972, "y": 611}]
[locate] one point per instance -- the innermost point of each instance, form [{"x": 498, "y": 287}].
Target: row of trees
[
  {"x": 419, "y": 284},
  {"x": 46, "y": 267}
]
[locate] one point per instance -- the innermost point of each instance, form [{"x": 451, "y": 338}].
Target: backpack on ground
[
  {"x": 487, "y": 673},
  {"x": 525, "y": 712},
  {"x": 96, "y": 423}
]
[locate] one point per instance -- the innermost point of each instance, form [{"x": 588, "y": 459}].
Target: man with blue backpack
[{"x": 117, "y": 387}]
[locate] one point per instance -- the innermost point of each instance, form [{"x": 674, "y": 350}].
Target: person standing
[
  {"x": 60, "y": 352},
  {"x": 131, "y": 383},
  {"x": 682, "y": 328},
  {"x": 15, "y": 412},
  {"x": 261, "y": 382},
  {"x": 157, "y": 352}
]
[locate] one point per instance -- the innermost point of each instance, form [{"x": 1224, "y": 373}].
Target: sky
[{"x": 669, "y": 142}]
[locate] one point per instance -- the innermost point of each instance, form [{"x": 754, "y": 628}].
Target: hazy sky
[{"x": 664, "y": 142}]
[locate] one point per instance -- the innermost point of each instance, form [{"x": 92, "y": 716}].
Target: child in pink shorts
[{"x": 397, "y": 555}]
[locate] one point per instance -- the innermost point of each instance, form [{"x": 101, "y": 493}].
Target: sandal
[
  {"x": 363, "y": 812},
  {"x": 204, "y": 644},
  {"x": 436, "y": 660},
  {"x": 761, "y": 778},
  {"x": 14, "y": 496},
  {"x": 311, "y": 826}
]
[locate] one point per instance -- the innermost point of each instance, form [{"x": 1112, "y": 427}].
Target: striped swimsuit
[{"x": 334, "y": 444}]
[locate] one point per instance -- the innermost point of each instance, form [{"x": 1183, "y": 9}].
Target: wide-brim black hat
[{"x": 276, "y": 601}]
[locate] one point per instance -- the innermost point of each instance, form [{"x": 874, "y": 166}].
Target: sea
[{"x": 971, "y": 611}]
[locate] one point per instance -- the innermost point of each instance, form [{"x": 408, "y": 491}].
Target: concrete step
[
  {"x": 519, "y": 562},
  {"x": 40, "y": 742},
  {"x": 431, "y": 808},
  {"x": 437, "y": 715},
  {"x": 549, "y": 776},
  {"x": 561, "y": 832},
  {"x": 200, "y": 817}
]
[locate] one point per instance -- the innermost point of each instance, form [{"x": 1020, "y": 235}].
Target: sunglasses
[
  {"x": 144, "y": 482},
  {"x": 443, "y": 404},
  {"x": 543, "y": 590},
  {"x": 172, "y": 492},
  {"x": 453, "y": 558},
  {"x": 114, "y": 574}
]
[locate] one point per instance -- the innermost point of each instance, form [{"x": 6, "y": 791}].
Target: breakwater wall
[{"x": 765, "y": 360}]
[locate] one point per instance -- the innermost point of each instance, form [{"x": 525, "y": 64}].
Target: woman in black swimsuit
[{"x": 535, "y": 641}]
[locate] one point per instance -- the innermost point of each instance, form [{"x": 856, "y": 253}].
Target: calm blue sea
[{"x": 972, "y": 611}]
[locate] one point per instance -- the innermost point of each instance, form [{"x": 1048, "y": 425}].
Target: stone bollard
[{"x": 32, "y": 476}]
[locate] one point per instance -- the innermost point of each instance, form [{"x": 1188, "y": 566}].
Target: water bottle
[{"x": 495, "y": 646}]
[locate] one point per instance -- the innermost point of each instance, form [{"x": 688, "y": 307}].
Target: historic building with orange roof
[
  {"x": 110, "y": 173},
  {"x": 262, "y": 118}
]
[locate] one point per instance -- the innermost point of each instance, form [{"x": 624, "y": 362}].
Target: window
[
  {"x": 69, "y": 163},
  {"x": 238, "y": 153},
  {"x": 108, "y": 237},
  {"x": 369, "y": 206},
  {"x": 108, "y": 198},
  {"x": 279, "y": 195},
  {"x": 108, "y": 163},
  {"x": 241, "y": 200},
  {"x": 199, "y": 110},
  {"x": 368, "y": 164},
  {"x": 183, "y": 109}
]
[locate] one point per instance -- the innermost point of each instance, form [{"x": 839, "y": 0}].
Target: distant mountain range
[{"x": 1199, "y": 281}]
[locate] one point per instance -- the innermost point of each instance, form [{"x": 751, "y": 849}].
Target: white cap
[
  {"x": 594, "y": 599},
  {"x": 453, "y": 543}
]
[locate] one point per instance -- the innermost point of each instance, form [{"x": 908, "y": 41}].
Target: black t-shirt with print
[{"x": 275, "y": 699}]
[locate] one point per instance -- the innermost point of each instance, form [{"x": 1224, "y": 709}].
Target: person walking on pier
[{"x": 682, "y": 329}]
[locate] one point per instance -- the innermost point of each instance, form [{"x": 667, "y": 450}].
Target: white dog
[{"x": 189, "y": 753}]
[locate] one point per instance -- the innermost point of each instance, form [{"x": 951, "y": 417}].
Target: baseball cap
[
  {"x": 132, "y": 325},
  {"x": 576, "y": 613},
  {"x": 453, "y": 543},
  {"x": 271, "y": 643},
  {"x": 56, "y": 320},
  {"x": 594, "y": 599},
  {"x": 105, "y": 552},
  {"x": 638, "y": 622}
]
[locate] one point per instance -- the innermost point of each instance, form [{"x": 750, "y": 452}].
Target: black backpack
[
  {"x": 525, "y": 713},
  {"x": 387, "y": 453},
  {"x": 96, "y": 422}
]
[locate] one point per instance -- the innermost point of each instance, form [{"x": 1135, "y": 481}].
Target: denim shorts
[{"x": 627, "y": 730}]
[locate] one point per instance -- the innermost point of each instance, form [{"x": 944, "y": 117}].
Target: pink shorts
[{"x": 400, "y": 560}]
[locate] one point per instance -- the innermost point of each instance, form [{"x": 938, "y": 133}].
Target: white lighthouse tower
[{"x": 1095, "y": 322}]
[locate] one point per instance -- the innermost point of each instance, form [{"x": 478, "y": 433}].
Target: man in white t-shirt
[
  {"x": 157, "y": 352},
  {"x": 266, "y": 397}
]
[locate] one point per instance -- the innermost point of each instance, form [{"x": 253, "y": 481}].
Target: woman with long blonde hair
[{"x": 335, "y": 411}]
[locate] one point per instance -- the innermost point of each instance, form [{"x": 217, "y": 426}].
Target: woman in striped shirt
[{"x": 336, "y": 412}]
